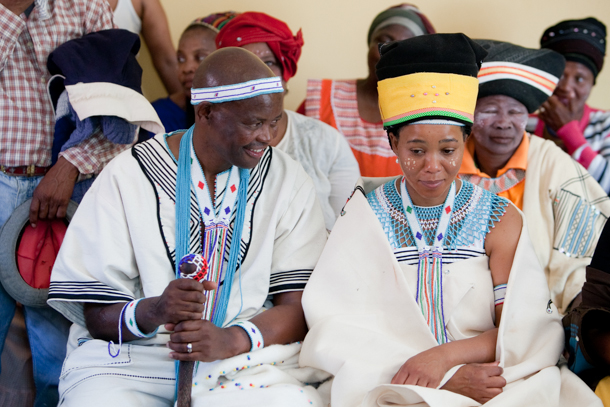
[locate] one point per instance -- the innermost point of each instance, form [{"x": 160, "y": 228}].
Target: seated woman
[
  {"x": 196, "y": 43},
  {"x": 582, "y": 131},
  {"x": 430, "y": 280},
  {"x": 565, "y": 208},
  {"x": 320, "y": 149},
  {"x": 351, "y": 106}
]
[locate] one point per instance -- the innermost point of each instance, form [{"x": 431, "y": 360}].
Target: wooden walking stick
[{"x": 195, "y": 267}]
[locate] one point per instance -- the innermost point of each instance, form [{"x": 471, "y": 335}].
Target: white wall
[{"x": 335, "y": 30}]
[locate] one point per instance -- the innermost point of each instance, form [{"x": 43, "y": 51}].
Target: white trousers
[{"x": 145, "y": 376}]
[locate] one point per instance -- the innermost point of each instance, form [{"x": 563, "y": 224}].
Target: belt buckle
[{"x": 30, "y": 170}]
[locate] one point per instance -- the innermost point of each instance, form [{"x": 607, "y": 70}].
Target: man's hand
[
  {"x": 52, "y": 196},
  {"x": 182, "y": 300},
  {"x": 479, "y": 381},
  {"x": 556, "y": 115},
  {"x": 425, "y": 369},
  {"x": 209, "y": 342}
]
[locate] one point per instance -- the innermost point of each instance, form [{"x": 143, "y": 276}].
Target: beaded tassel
[{"x": 430, "y": 291}]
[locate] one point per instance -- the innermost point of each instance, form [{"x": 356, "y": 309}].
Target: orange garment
[
  {"x": 603, "y": 391},
  {"x": 517, "y": 161},
  {"x": 335, "y": 103}
]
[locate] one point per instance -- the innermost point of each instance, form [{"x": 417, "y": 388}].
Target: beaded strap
[
  {"x": 237, "y": 91},
  {"x": 255, "y": 335},
  {"x": 130, "y": 320}
]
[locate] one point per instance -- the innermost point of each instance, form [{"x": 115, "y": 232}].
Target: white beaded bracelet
[
  {"x": 255, "y": 335},
  {"x": 130, "y": 320}
]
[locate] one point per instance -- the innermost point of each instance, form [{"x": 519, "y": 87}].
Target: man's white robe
[{"x": 120, "y": 246}]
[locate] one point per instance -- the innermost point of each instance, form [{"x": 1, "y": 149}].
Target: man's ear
[{"x": 203, "y": 111}]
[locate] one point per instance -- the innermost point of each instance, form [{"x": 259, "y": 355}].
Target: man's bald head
[{"x": 229, "y": 66}]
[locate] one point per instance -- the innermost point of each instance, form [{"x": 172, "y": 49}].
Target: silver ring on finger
[{"x": 189, "y": 347}]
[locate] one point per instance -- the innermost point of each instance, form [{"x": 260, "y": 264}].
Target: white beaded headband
[{"x": 237, "y": 91}]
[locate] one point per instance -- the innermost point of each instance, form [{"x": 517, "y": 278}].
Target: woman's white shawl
[{"x": 364, "y": 324}]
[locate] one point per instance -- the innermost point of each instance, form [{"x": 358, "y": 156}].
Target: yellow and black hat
[{"x": 429, "y": 77}]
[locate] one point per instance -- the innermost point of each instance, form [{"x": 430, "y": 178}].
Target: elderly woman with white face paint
[
  {"x": 564, "y": 206},
  {"x": 429, "y": 281}
]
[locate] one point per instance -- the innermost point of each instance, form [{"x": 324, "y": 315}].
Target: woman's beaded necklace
[{"x": 430, "y": 267}]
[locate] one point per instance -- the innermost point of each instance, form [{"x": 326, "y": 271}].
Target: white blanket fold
[{"x": 364, "y": 324}]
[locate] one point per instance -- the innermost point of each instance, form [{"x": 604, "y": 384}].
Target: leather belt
[{"x": 25, "y": 170}]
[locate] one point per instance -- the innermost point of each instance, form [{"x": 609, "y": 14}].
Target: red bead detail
[
  {"x": 233, "y": 188},
  {"x": 200, "y": 185},
  {"x": 448, "y": 209}
]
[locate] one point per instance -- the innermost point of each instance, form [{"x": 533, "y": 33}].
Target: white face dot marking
[{"x": 409, "y": 163}]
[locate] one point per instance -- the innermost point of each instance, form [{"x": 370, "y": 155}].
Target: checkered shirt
[{"x": 28, "y": 121}]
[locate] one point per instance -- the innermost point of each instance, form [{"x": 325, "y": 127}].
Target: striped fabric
[
  {"x": 410, "y": 255},
  {"x": 541, "y": 80},
  {"x": 363, "y": 136},
  {"x": 238, "y": 91},
  {"x": 587, "y": 141},
  {"x": 92, "y": 291},
  {"x": 285, "y": 281},
  {"x": 499, "y": 294}
]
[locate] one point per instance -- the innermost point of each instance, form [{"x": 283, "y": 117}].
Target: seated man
[
  {"x": 564, "y": 206},
  {"x": 429, "y": 276},
  {"x": 215, "y": 190}
]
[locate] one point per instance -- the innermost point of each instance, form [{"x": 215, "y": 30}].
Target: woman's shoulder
[{"x": 386, "y": 191}]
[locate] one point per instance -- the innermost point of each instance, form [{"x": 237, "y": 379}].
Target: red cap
[{"x": 37, "y": 251}]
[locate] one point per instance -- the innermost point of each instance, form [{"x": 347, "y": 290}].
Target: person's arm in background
[
  {"x": 569, "y": 129},
  {"x": 155, "y": 30},
  {"x": 52, "y": 195},
  {"x": 343, "y": 175}
]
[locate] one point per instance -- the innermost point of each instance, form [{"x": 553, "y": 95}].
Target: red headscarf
[{"x": 251, "y": 27}]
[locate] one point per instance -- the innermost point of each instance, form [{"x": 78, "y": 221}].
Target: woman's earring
[{"x": 397, "y": 160}]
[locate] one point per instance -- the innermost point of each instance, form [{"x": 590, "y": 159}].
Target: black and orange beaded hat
[{"x": 527, "y": 75}]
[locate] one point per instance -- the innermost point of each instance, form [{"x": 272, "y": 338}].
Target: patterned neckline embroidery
[{"x": 475, "y": 212}]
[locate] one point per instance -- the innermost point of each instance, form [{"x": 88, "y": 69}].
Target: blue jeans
[{"x": 47, "y": 329}]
